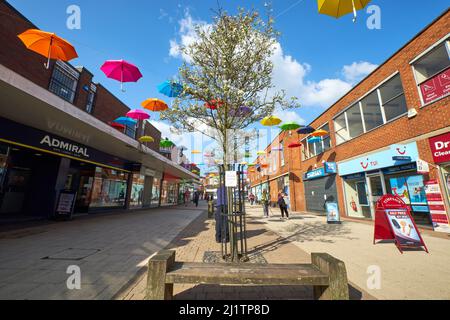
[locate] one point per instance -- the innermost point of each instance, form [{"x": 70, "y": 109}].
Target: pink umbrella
[
  {"x": 138, "y": 114},
  {"x": 122, "y": 71}
]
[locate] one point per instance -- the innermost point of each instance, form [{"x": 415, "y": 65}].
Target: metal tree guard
[{"x": 233, "y": 215}]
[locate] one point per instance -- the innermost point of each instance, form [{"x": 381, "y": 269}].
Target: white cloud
[{"x": 357, "y": 71}]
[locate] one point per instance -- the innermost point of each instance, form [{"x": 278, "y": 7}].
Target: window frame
[
  {"x": 68, "y": 72},
  {"x": 307, "y": 155}
]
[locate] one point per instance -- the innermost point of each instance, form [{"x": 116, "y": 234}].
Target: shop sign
[
  {"x": 333, "y": 216},
  {"x": 440, "y": 147},
  {"x": 330, "y": 167},
  {"x": 393, "y": 221},
  {"x": 422, "y": 166},
  {"x": 66, "y": 204},
  {"x": 318, "y": 173},
  {"x": 383, "y": 159},
  {"x": 406, "y": 167},
  {"x": 437, "y": 208},
  {"x": 437, "y": 87}
]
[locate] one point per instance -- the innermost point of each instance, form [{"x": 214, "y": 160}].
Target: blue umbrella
[
  {"x": 126, "y": 121},
  {"x": 170, "y": 89},
  {"x": 306, "y": 130},
  {"x": 314, "y": 139}
]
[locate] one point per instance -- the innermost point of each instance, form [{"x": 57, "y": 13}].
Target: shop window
[
  {"x": 3, "y": 157},
  {"x": 156, "y": 191},
  {"x": 326, "y": 140},
  {"x": 109, "y": 189},
  {"x": 340, "y": 127},
  {"x": 64, "y": 81},
  {"x": 354, "y": 120},
  {"x": 432, "y": 63},
  {"x": 282, "y": 154},
  {"x": 316, "y": 147},
  {"x": 393, "y": 98},
  {"x": 137, "y": 191},
  {"x": 372, "y": 111}
]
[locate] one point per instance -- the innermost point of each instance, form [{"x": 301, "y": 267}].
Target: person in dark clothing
[
  {"x": 196, "y": 198},
  {"x": 283, "y": 205}
]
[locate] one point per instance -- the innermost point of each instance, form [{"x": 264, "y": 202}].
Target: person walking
[
  {"x": 187, "y": 197},
  {"x": 251, "y": 197},
  {"x": 283, "y": 206},
  {"x": 265, "y": 203},
  {"x": 196, "y": 198}
]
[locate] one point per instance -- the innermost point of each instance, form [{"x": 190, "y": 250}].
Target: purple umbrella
[
  {"x": 241, "y": 111},
  {"x": 122, "y": 71},
  {"x": 138, "y": 114}
]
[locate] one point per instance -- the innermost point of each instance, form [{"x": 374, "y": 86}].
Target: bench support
[
  {"x": 338, "y": 287},
  {"x": 158, "y": 265}
]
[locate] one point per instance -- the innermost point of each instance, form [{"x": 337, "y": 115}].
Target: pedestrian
[
  {"x": 196, "y": 198},
  {"x": 283, "y": 206},
  {"x": 265, "y": 203},
  {"x": 187, "y": 196},
  {"x": 251, "y": 197}
]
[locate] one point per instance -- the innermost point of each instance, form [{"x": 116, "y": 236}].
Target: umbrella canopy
[
  {"x": 117, "y": 125},
  {"x": 270, "y": 121},
  {"x": 294, "y": 145},
  {"x": 306, "y": 130},
  {"x": 166, "y": 143},
  {"x": 137, "y": 114},
  {"x": 277, "y": 149},
  {"x": 170, "y": 89},
  {"x": 154, "y": 104},
  {"x": 244, "y": 163},
  {"x": 264, "y": 166},
  {"x": 314, "y": 139},
  {"x": 261, "y": 153},
  {"x": 339, "y": 8},
  {"x": 121, "y": 70},
  {"x": 213, "y": 104},
  {"x": 241, "y": 111},
  {"x": 48, "y": 45},
  {"x": 196, "y": 152},
  {"x": 288, "y": 126},
  {"x": 126, "y": 121},
  {"x": 208, "y": 155},
  {"x": 144, "y": 139},
  {"x": 319, "y": 133}
]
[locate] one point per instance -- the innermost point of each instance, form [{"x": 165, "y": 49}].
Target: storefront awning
[{"x": 27, "y": 103}]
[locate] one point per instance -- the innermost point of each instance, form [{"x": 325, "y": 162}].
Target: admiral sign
[
  {"x": 440, "y": 148},
  {"x": 65, "y": 147}
]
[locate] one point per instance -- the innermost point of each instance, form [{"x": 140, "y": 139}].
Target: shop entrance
[
  {"x": 80, "y": 179},
  {"x": 377, "y": 189}
]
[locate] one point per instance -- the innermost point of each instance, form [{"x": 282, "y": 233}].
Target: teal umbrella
[
  {"x": 126, "y": 121},
  {"x": 288, "y": 126}
]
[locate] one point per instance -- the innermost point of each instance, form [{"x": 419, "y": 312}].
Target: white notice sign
[{"x": 231, "y": 179}]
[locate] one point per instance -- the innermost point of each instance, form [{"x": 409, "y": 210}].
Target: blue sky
[{"x": 319, "y": 57}]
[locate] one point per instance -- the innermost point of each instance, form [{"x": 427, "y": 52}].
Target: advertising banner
[
  {"x": 436, "y": 87},
  {"x": 333, "y": 216},
  {"x": 404, "y": 228},
  {"x": 437, "y": 208},
  {"x": 440, "y": 148}
]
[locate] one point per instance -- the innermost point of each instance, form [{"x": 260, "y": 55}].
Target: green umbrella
[
  {"x": 288, "y": 126},
  {"x": 166, "y": 143}
]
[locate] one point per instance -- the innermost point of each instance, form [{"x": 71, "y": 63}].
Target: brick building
[
  {"x": 56, "y": 139},
  {"x": 393, "y": 120}
]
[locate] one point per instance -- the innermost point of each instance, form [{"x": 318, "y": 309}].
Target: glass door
[{"x": 376, "y": 190}]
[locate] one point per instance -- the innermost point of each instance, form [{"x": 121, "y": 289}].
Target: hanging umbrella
[
  {"x": 240, "y": 112},
  {"x": 122, "y": 71},
  {"x": 339, "y": 8},
  {"x": 264, "y": 166},
  {"x": 261, "y": 153},
  {"x": 153, "y": 104},
  {"x": 126, "y": 121},
  {"x": 294, "y": 145},
  {"x": 277, "y": 149},
  {"x": 208, "y": 155},
  {"x": 166, "y": 143},
  {"x": 144, "y": 139},
  {"x": 288, "y": 126},
  {"x": 137, "y": 114},
  {"x": 170, "y": 89},
  {"x": 196, "y": 152},
  {"x": 319, "y": 133},
  {"x": 314, "y": 139},
  {"x": 270, "y": 121},
  {"x": 117, "y": 125},
  {"x": 306, "y": 130},
  {"x": 213, "y": 104},
  {"x": 48, "y": 45},
  {"x": 247, "y": 155},
  {"x": 244, "y": 163}
]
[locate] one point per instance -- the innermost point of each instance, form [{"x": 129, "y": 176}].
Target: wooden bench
[{"x": 326, "y": 273}]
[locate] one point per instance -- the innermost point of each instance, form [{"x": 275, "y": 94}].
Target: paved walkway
[
  {"x": 412, "y": 275},
  {"x": 109, "y": 249},
  {"x": 198, "y": 237}
]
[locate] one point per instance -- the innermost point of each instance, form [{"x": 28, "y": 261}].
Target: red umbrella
[
  {"x": 117, "y": 125},
  {"x": 213, "y": 104},
  {"x": 294, "y": 145},
  {"x": 121, "y": 70}
]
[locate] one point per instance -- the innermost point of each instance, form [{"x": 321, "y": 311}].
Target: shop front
[
  {"x": 390, "y": 171},
  {"x": 35, "y": 166},
  {"x": 169, "y": 190},
  {"x": 320, "y": 187}
]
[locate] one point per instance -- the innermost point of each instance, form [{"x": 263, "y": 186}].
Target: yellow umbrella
[
  {"x": 195, "y": 152},
  {"x": 270, "y": 121},
  {"x": 244, "y": 163},
  {"x": 146, "y": 139},
  {"x": 319, "y": 133},
  {"x": 339, "y": 8},
  {"x": 261, "y": 153}
]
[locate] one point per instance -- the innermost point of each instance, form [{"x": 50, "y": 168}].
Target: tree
[{"x": 229, "y": 68}]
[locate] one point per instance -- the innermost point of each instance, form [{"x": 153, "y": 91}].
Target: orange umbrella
[
  {"x": 48, "y": 44},
  {"x": 319, "y": 133},
  {"x": 154, "y": 105}
]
